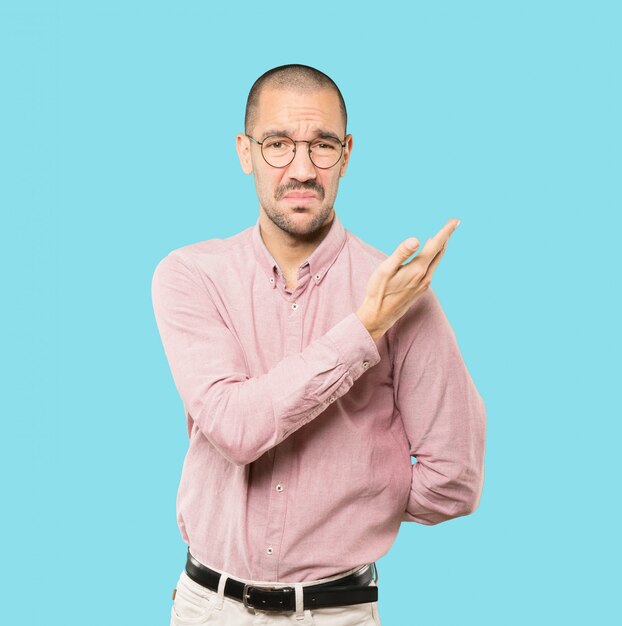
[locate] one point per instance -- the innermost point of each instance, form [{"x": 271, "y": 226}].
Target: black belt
[{"x": 351, "y": 589}]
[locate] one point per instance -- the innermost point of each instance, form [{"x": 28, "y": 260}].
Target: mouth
[{"x": 300, "y": 198}]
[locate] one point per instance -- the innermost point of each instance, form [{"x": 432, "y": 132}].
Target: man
[{"x": 311, "y": 367}]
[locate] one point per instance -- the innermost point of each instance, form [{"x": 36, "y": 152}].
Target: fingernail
[{"x": 458, "y": 224}]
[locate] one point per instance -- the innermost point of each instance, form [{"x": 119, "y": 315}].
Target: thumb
[
  {"x": 407, "y": 247},
  {"x": 402, "y": 252}
]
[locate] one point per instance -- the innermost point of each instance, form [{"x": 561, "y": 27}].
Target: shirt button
[
  {"x": 318, "y": 276},
  {"x": 269, "y": 550},
  {"x": 279, "y": 487},
  {"x": 294, "y": 306},
  {"x": 365, "y": 364},
  {"x": 272, "y": 280},
  {"x": 332, "y": 398}
]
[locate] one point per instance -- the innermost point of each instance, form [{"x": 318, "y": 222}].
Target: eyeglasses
[{"x": 280, "y": 150}]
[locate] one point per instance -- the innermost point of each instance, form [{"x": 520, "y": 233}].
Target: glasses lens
[
  {"x": 278, "y": 151},
  {"x": 325, "y": 152}
]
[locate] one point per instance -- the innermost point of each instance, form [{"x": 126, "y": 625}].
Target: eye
[
  {"x": 324, "y": 146},
  {"x": 279, "y": 144}
]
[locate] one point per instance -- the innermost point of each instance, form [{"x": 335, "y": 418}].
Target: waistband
[{"x": 358, "y": 570}]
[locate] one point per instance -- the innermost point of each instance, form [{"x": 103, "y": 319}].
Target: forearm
[{"x": 243, "y": 416}]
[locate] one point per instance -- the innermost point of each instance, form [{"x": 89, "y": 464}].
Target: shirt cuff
[{"x": 356, "y": 346}]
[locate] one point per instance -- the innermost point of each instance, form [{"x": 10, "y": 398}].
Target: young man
[{"x": 311, "y": 367}]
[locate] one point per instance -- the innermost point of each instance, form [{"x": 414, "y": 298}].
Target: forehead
[{"x": 296, "y": 111}]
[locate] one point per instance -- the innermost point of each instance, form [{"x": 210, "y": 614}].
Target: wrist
[{"x": 369, "y": 324}]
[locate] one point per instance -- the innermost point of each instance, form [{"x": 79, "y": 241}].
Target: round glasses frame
[{"x": 260, "y": 144}]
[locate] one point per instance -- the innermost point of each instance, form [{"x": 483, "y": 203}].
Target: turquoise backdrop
[{"x": 117, "y": 127}]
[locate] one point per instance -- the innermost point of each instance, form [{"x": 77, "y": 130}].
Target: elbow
[
  {"x": 468, "y": 504},
  {"x": 436, "y": 502},
  {"x": 467, "y": 492},
  {"x": 237, "y": 456},
  {"x": 233, "y": 438},
  {"x": 467, "y": 489},
  {"x": 234, "y": 454},
  {"x": 467, "y": 479},
  {"x": 239, "y": 451}
]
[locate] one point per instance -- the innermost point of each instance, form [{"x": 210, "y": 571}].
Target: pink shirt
[{"x": 301, "y": 427}]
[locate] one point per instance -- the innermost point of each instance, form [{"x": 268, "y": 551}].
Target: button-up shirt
[{"x": 303, "y": 429}]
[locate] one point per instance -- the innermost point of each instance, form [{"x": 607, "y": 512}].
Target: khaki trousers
[{"x": 195, "y": 605}]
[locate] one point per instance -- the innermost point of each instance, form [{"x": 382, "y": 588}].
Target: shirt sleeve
[
  {"x": 244, "y": 416},
  {"x": 444, "y": 416}
]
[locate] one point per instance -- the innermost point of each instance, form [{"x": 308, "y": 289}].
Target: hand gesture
[{"x": 395, "y": 285}]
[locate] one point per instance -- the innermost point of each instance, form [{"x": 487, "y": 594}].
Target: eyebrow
[{"x": 319, "y": 134}]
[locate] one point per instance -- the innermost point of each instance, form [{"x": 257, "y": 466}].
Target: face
[{"x": 297, "y": 198}]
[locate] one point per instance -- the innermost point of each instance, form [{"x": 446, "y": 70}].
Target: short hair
[{"x": 293, "y": 76}]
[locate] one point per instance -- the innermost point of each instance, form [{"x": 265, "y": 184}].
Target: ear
[
  {"x": 346, "y": 155},
  {"x": 243, "y": 147}
]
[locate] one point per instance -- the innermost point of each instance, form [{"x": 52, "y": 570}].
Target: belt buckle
[{"x": 246, "y": 596}]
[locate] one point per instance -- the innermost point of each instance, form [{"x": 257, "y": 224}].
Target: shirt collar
[{"x": 319, "y": 260}]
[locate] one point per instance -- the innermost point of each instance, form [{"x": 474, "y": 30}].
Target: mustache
[{"x": 310, "y": 185}]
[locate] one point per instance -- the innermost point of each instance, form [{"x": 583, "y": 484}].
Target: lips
[{"x": 299, "y": 196}]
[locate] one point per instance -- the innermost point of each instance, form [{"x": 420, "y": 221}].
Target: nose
[{"x": 302, "y": 168}]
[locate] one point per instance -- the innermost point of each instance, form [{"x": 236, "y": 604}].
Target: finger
[
  {"x": 435, "y": 243},
  {"x": 446, "y": 231},
  {"x": 404, "y": 250},
  {"x": 434, "y": 263}
]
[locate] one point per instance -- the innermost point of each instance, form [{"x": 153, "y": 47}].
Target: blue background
[{"x": 117, "y": 145}]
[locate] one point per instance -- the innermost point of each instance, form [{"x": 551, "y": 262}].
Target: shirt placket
[{"x": 281, "y": 468}]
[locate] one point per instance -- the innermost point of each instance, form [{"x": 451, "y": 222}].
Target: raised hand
[{"x": 395, "y": 285}]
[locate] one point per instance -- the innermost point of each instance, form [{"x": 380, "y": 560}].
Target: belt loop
[
  {"x": 300, "y": 612},
  {"x": 221, "y": 591}
]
